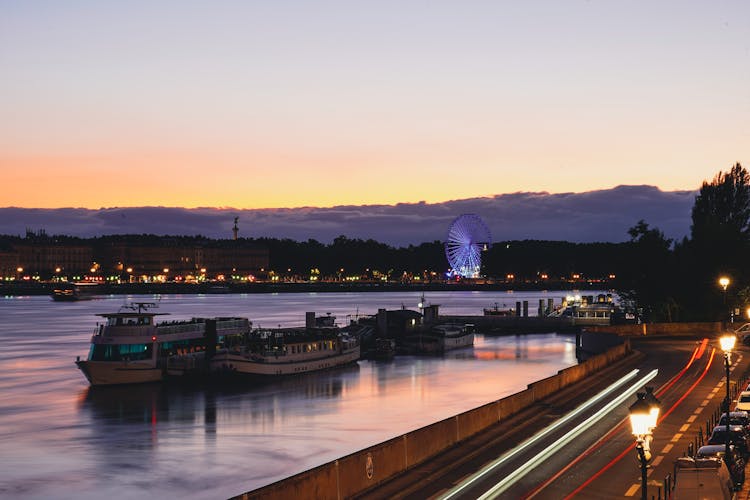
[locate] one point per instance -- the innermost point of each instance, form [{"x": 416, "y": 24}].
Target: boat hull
[
  {"x": 429, "y": 343},
  {"x": 239, "y": 364},
  {"x": 120, "y": 372}
]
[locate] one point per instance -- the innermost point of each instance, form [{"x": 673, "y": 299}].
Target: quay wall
[
  {"x": 645, "y": 329},
  {"x": 355, "y": 473}
]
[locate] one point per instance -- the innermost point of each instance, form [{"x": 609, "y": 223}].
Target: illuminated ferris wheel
[{"x": 468, "y": 236}]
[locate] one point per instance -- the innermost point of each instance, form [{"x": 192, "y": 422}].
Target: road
[{"x": 590, "y": 454}]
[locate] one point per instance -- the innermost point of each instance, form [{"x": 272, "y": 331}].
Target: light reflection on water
[{"x": 61, "y": 439}]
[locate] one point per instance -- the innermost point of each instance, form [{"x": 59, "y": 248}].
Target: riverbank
[{"x": 38, "y": 288}]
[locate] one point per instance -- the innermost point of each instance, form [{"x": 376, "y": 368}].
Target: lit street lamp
[
  {"x": 724, "y": 283},
  {"x": 644, "y": 415},
  {"x": 727, "y": 344}
]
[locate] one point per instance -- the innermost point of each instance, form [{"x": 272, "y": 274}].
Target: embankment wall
[
  {"x": 364, "y": 469},
  {"x": 713, "y": 328}
]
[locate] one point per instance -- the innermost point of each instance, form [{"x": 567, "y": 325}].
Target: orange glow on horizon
[{"x": 275, "y": 181}]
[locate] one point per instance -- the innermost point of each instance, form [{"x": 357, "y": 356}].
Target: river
[{"x": 61, "y": 439}]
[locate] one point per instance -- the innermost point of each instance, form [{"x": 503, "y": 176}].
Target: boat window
[{"x": 130, "y": 352}]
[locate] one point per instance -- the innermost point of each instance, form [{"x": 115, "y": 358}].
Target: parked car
[
  {"x": 737, "y": 437},
  {"x": 743, "y": 402},
  {"x": 702, "y": 478},
  {"x": 736, "y": 418},
  {"x": 743, "y": 332},
  {"x": 736, "y": 462}
]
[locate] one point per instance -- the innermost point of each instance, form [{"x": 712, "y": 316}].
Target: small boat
[
  {"x": 439, "y": 338},
  {"x": 130, "y": 348},
  {"x": 69, "y": 292},
  {"x": 319, "y": 345},
  {"x": 496, "y": 311}
]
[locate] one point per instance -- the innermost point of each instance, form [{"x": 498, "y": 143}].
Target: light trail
[
  {"x": 632, "y": 446},
  {"x": 604, "y": 439},
  {"x": 537, "y": 437},
  {"x": 517, "y": 474}
]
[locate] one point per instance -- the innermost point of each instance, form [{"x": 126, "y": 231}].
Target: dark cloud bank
[{"x": 594, "y": 216}]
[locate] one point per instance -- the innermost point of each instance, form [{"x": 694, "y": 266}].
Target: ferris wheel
[{"x": 468, "y": 236}]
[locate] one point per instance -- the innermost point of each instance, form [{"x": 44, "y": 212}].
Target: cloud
[{"x": 603, "y": 215}]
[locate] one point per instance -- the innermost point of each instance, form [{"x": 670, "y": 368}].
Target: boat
[
  {"x": 131, "y": 348},
  {"x": 496, "y": 311},
  {"x": 587, "y": 310},
  {"x": 439, "y": 338},
  {"x": 69, "y": 292},
  {"x": 266, "y": 353},
  {"x": 385, "y": 349}
]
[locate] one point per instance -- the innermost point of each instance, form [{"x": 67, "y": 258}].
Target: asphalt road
[{"x": 589, "y": 455}]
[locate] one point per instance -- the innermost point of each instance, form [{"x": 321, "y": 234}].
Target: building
[{"x": 130, "y": 258}]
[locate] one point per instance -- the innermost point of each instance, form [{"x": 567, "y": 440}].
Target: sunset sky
[{"x": 254, "y": 104}]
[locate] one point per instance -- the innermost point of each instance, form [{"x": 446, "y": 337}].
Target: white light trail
[{"x": 538, "y": 436}]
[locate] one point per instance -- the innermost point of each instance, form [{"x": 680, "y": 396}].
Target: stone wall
[{"x": 661, "y": 329}]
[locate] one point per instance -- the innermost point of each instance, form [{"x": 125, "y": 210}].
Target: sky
[{"x": 274, "y": 104}]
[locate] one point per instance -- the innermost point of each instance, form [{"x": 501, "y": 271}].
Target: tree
[
  {"x": 722, "y": 208},
  {"x": 719, "y": 244},
  {"x": 648, "y": 277}
]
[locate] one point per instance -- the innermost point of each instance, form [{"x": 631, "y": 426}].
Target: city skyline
[{"x": 274, "y": 105}]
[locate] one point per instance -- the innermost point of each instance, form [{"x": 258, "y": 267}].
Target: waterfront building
[{"x": 129, "y": 258}]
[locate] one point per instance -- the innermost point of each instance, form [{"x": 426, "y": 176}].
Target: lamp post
[
  {"x": 724, "y": 283},
  {"x": 643, "y": 419},
  {"x": 727, "y": 344}
]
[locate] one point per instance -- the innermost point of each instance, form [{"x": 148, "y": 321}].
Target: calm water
[{"x": 61, "y": 439}]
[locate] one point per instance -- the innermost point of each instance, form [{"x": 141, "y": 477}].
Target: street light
[
  {"x": 643, "y": 419},
  {"x": 727, "y": 344},
  {"x": 654, "y": 406},
  {"x": 724, "y": 283}
]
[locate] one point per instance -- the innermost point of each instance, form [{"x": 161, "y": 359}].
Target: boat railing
[
  {"x": 185, "y": 327},
  {"x": 233, "y": 323}
]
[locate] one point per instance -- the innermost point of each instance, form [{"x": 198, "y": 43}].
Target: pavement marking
[
  {"x": 631, "y": 491},
  {"x": 667, "y": 449},
  {"x": 716, "y": 389},
  {"x": 705, "y": 402},
  {"x": 698, "y": 410},
  {"x": 657, "y": 461},
  {"x": 676, "y": 438},
  {"x": 692, "y": 418},
  {"x": 684, "y": 427}
]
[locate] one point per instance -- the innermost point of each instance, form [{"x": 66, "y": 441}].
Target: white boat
[
  {"x": 587, "y": 311},
  {"x": 267, "y": 353},
  {"x": 130, "y": 348},
  {"x": 440, "y": 338}
]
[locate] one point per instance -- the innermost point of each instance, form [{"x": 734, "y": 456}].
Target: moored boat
[
  {"x": 496, "y": 311},
  {"x": 439, "y": 338},
  {"x": 587, "y": 310},
  {"x": 319, "y": 345},
  {"x": 130, "y": 347}
]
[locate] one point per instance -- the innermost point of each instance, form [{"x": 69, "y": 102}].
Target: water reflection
[{"x": 216, "y": 441}]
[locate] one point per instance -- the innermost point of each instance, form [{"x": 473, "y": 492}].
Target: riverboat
[
  {"x": 588, "y": 311},
  {"x": 131, "y": 348},
  {"x": 439, "y": 338},
  {"x": 69, "y": 292},
  {"x": 319, "y": 345}
]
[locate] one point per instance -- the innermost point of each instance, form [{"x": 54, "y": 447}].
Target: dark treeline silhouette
[{"x": 679, "y": 281}]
